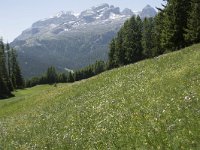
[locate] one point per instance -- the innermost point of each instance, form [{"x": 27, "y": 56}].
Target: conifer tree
[
  {"x": 51, "y": 75},
  {"x": 129, "y": 41},
  {"x": 10, "y": 73},
  {"x": 98, "y": 67},
  {"x": 13, "y": 71},
  {"x": 132, "y": 40},
  {"x": 175, "y": 23},
  {"x": 193, "y": 26},
  {"x": 16, "y": 76},
  {"x": 4, "y": 91},
  {"x": 19, "y": 78},
  {"x": 157, "y": 34},
  {"x": 70, "y": 77},
  {"x": 119, "y": 50},
  {"x": 4, "y": 80},
  {"x": 112, "y": 55},
  {"x": 147, "y": 37},
  {"x": 77, "y": 75},
  {"x": 8, "y": 59},
  {"x": 3, "y": 61},
  {"x": 8, "y": 51}
]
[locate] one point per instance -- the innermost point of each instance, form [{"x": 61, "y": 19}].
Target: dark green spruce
[
  {"x": 10, "y": 73},
  {"x": 175, "y": 17},
  {"x": 192, "y": 35}
]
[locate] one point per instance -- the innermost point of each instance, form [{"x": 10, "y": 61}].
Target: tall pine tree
[
  {"x": 193, "y": 26},
  {"x": 16, "y": 76},
  {"x": 8, "y": 56},
  {"x": 112, "y": 55},
  {"x": 147, "y": 37},
  {"x": 51, "y": 75},
  {"x": 8, "y": 59},
  {"x": 4, "y": 80},
  {"x": 174, "y": 24},
  {"x": 157, "y": 35},
  {"x": 119, "y": 49},
  {"x": 133, "y": 40}
]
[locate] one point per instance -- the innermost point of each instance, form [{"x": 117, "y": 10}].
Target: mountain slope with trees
[
  {"x": 176, "y": 26},
  {"x": 71, "y": 41}
]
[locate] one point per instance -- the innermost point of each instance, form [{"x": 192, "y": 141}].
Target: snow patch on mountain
[
  {"x": 115, "y": 16},
  {"x": 67, "y": 21}
]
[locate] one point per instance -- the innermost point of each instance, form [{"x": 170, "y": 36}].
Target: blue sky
[{"x": 18, "y": 15}]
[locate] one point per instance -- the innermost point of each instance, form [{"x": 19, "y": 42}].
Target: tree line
[
  {"x": 176, "y": 26},
  {"x": 52, "y": 76},
  {"x": 10, "y": 73}
]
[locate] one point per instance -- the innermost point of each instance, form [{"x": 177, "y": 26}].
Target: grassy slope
[{"x": 153, "y": 104}]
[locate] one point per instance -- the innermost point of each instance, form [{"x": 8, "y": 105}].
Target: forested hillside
[{"x": 176, "y": 26}]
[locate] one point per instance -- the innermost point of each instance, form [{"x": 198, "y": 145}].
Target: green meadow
[{"x": 152, "y": 104}]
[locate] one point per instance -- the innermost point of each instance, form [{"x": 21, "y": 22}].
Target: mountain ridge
[{"x": 69, "y": 40}]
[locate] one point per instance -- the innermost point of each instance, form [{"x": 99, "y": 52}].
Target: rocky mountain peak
[
  {"x": 147, "y": 6},
  {"x": 100, "y": 7},
  {"x": 127, "y": 11},
  {"x": 100, "y": 12},
  {"x": 148, "y": 12},
  {"x": 66, "y": 21}
]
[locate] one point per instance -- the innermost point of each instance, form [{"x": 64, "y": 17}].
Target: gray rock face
[
  {"x": 61, "y": 17},
  {"x": 68, "y": 40},
  {"x": 148, "y": 12},
  {"x": 127, "y": 11}
]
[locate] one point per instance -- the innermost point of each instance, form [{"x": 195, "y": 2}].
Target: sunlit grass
[{"x": 153, "y": 104}]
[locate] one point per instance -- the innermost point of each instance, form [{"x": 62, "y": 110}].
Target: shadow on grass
[{"x": 3, "y": 97}]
